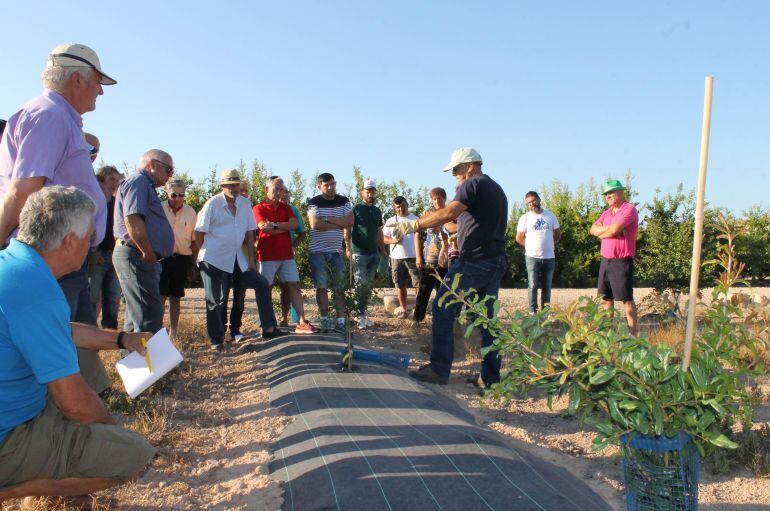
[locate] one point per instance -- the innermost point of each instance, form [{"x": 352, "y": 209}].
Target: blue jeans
[
  {"x": 217, "y": 284},
  {"x": 539, "y": 275},
  {"x": 104, "y": 280},
  {"x": 250, "y": 279},
  {"x": 75, "y": 288},
  {"x": 76, "y": 291},
  {"x": 365, "y": 270},
  {"x": 139, "y": 281},
  {"x": 365, "y": 267},
  {"x": 484, "y": 277},
  {"x": 328, "y": 270}
]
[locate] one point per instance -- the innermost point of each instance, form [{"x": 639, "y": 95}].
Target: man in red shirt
[
  {"x": 617, "y": 228},
  {"x": 275, "y": 251}
]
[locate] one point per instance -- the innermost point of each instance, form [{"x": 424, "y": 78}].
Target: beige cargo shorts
[{"x": 53, "y": 447}]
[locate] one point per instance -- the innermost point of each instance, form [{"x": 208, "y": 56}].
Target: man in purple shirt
[
  {"x": 43, "y": 145},
  {"x": 144, "y": 237}
]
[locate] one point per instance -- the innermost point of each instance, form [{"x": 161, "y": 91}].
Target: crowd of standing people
[{"x": 75, "y": 243}]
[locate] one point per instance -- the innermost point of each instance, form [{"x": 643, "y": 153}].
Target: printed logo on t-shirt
[{"x": 541, "y": 225}]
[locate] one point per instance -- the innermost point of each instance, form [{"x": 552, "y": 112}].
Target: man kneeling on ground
[{"x": 56, "y": 436}]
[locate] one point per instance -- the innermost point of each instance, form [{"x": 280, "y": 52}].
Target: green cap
[{"x": 611, "y": 186}]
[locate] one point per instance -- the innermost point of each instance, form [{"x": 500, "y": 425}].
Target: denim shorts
[{"x": 328, "y": 269}]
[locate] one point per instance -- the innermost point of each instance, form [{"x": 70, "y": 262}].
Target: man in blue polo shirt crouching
[{"x": 56, "y": 436}]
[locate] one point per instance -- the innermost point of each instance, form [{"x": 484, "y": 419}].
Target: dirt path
[
  {"x": 212, "y": 424},
  {"x": 215, "y": 453}
]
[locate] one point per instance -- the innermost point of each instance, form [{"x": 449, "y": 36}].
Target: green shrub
[{"x": 623, "y": 384}]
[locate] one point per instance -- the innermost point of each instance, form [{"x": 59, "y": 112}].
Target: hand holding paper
[{"x": 138, "y": 372}]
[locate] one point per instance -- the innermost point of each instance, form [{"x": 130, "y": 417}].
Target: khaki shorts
[
  {"x": 92, "y": 370},
  {"x": 53, "y": 447}
]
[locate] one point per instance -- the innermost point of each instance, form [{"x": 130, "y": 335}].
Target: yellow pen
[{"x": 147, "y": 354}]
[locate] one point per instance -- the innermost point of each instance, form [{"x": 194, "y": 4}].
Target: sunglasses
[
  {"x": 94, "y": 151},
  {"x": 175, "y": 195},
  {"x": 169, "y": 168}
]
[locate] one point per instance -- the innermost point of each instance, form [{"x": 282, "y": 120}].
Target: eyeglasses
[
  {"x": 169, "y": 168},
  {"x": 175, "y": 195}
]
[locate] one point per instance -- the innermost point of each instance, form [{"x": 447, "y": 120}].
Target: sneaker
[
  {"x": 324, "y": 325},
  {"x": 339, "y": 327},
  {"x": 217, "y": 347},
  {"x": 428, "y": 375},
  {"x": 305, "y": 328},
  {"x": 238, "y": 337},
  {"x": 362, "y": 323}
]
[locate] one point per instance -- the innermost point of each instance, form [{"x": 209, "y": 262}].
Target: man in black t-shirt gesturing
[{"x": 481, "y": 209}]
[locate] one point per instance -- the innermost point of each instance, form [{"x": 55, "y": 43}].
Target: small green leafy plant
[{"x": 623, "y": 384}]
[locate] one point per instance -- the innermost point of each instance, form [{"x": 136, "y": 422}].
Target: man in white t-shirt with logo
[
  {"x": 403, "y": 253},
  {"x": 538, "y": 232}
]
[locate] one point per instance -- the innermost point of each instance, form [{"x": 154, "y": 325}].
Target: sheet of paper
[{"x": 133, "y": 369}]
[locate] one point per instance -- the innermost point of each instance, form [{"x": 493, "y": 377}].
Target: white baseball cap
[
  {"x": 463, "y": 155},
  {"x": 77, "y": 55},
  {"x": 369, "y": 184}
]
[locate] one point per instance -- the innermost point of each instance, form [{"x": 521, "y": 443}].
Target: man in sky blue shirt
[{"x": 56, "y": 436}]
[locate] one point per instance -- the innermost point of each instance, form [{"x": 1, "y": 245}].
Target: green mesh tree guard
[{"x": 661, "y": 473}]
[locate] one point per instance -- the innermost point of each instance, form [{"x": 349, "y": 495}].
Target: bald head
[{"x": 153, "y": 154}]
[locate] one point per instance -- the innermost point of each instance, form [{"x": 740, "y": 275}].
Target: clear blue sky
[{"x": 544, "y": 90}]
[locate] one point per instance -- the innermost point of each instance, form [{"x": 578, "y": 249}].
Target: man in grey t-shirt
[{"x": 538, "y": 231}]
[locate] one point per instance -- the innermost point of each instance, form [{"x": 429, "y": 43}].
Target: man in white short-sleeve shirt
[
  {"x": 538, "y": 232},
  {"x": 403, "y": 254},
  {"x": 225, "y": 224}
]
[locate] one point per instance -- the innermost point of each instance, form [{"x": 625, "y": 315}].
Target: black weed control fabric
[{"x": 376, "y": 440}]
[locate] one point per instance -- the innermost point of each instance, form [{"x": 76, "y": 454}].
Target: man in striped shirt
[{"x": 328, "y": 214}]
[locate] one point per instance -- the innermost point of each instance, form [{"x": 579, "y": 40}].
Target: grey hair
[
  {"x": 56, "y": 77},
  {"x": 175, "y": 183},
  {"x": 50, "y": 214},
  {"x": 152, "y": 154}
]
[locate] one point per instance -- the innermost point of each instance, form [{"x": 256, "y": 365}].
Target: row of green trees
[{"x": 664, "y": 247}]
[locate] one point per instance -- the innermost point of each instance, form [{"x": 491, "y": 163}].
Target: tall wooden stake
[{"x": 698, "y": 237}]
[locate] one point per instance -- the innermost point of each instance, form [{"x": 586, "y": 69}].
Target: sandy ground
[{"x": 213, "y": 425}]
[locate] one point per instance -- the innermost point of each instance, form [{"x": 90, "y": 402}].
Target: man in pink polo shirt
[{"x": 617, "y": 228}]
